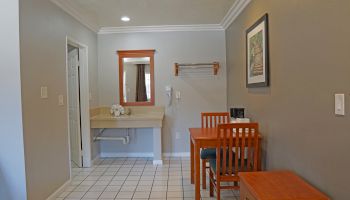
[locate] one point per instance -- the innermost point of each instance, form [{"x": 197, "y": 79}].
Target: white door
[{"x": 74, "y": 108}]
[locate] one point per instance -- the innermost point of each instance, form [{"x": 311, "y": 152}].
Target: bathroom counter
[{"x": 140, "y": 117}]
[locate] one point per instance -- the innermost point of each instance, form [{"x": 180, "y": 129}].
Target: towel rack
[{"x": 214, "y": 65}]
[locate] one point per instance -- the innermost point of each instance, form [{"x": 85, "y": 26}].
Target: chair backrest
[
  {"x": 239, "y": 144},
  {"x": 212, "y": 119}
]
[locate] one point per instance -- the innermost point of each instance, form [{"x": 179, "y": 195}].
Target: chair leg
[
  {"x": 218, "y": 196},
  {"x": 204, "y": 174},
  {"x": 211, "y": 183}
]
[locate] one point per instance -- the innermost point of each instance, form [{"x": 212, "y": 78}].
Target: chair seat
[
  {"x": 212, "y": 163},
  {"x": 208, "y": 153}
]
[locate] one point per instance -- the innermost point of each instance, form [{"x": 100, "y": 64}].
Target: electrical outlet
[
  {"x": 178, "y": 135},
  {"x": 178, "y": 95}
]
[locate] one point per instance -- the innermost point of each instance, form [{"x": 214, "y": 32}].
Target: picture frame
[{"x": 257, "y": 54}]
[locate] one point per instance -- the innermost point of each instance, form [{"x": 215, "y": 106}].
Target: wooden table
[
  {"x": 205, "y": 138},
  {"x": 281, "y": 185}
]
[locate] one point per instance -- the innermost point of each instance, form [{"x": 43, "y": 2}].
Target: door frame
[{"x": 84, "y": 101}]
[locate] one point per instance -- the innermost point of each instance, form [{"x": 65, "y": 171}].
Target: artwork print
[
  {"x": 257, "y": 54},
  {"x": 256, "y": 59}
]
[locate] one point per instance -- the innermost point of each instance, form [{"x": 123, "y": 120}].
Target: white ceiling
[{"x": 107, "y": 13}]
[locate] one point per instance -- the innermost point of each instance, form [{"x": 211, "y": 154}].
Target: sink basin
[{"x": 140, "y": 117}]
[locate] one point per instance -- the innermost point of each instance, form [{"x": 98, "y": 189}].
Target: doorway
[
  {"x": 78, "y": 107},
  {"x": 74, "y": 107}
]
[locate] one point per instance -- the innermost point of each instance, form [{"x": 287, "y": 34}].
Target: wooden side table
[{"x": 279, "y": 185}]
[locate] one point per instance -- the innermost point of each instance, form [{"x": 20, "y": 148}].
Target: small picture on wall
[{"x": 258, "y": 54}]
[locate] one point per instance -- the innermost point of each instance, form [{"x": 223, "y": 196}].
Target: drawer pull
[{"x": 246, "y": 198}]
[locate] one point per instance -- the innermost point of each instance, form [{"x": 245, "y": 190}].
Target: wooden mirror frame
[{"x": 135, "y": 54}]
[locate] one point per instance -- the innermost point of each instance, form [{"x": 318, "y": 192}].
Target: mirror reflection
[{"x": 136, "y": 79}]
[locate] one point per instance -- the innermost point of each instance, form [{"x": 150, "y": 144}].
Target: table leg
[
  {"x": 259, "y": 155},
  {"x": 192, "y": 161},
  {"x": 197, "y": 171}
]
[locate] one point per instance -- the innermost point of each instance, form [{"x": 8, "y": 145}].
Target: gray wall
[
  {"x": 43, "y": 31},
  {"x": 309, "y": 54},
  {"x": 199, "y": 92},
  {"x": 12, "y": 167}
]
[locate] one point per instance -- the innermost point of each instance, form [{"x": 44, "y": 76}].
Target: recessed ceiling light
[{"x": 125, "y": 18}]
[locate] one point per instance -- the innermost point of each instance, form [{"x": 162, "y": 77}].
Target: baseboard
[
  {"x": 157, "y": 162},
  {"x": 138, "y": 154},
  {"x": 54, "y": 195},
  {"x": 177, "y": 154},
  {"x": 126, "y": 154}
]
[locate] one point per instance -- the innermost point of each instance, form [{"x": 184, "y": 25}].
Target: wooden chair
[
  {"x": 211, "y": 120},
  {"x": 243, "y": 139}
]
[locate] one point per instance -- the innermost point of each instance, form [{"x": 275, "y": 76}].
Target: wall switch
[
  {"x": 43, "y": 92},
  {"x": 339, "y": 104},
  {"x": 178, "y": 95},
  {"x": 178, "y": 135},
  {"x": 60, "y": 100}
]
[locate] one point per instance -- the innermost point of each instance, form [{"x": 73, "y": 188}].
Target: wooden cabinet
[{"x": 281, "y": 185}]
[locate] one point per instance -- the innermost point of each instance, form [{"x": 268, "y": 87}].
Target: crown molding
[
  {"x": 231, "y": 15},
  {"x": 234, "y": 12},
  {"x": 64, "y": 5},
  {"x": 163, "y": 28}
]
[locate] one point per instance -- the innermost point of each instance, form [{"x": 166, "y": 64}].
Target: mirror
[{"x": 136, "y": 77}]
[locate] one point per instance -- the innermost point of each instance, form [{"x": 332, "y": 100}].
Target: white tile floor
[{"x": 136, "y": 178}]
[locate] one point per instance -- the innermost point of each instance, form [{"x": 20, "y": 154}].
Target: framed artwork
[{"x": 257, "y": 45}]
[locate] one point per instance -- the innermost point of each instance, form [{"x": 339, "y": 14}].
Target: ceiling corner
[{"x": 74, "y": 13}]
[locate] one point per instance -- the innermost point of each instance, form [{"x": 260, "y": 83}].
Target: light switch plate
[
  {"x": 43, "y": 92},
  {"x": 339, "y": 100},
  {"x": 60, "y": 100}
]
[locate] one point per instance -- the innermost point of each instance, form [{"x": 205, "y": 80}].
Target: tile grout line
[
  {"x": 140, "y": 176},
  {"x": 182, "y": 181},
  {"x": 149, "y": 197},
  {"x": 154, "y": 176},
  {"x": 167, "y": 188},
  {"x": 152, "y": 184},
  {"x": 124, "y": 180},
  {"x": 81, "y": 182},
  {"x": 112, "y": 178}
]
